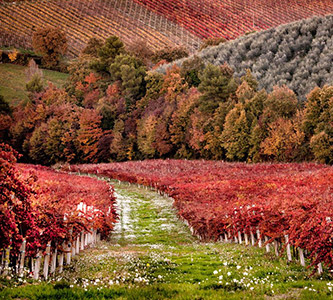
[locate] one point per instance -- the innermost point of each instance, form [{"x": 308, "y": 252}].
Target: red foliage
[
  {"x": 42, "y": 205},
  {"x": 70, "y": 203},
  {"x": 230, "y": 19},
  {"x": 217, "y": 197}
]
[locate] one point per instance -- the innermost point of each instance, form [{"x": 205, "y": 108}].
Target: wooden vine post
[
  {"x": 54, "y": 260},
  {"x": 37, "y": 264},
  {"x": 276, "y": 247},
  {"x": 301, "y": 257},
  {"x": 288, "y": 247},
  {"x": 22, "y": 257},
  {"x": 47, "y": 260},
  {"x": 267, "y": 244},
  {"x": 61, "y": 258}
]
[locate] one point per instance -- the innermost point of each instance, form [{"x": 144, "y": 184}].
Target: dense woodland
[{"x": 116, "y": 108}]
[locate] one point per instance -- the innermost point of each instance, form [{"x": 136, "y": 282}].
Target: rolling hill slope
[
  {"x": 299, "y": 55},
  {"x": 161, "y": 23}
]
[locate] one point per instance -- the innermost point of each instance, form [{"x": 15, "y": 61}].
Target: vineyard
[
  {"x": 161, "y": 23},
  {"x": 231, "y": 19},
  {"x": 48, "y": 214},
  {"x": 82, "y": 20},
  {"x": 276, "y": 205}
]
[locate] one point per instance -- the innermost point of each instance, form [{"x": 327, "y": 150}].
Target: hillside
[
  {"x": 13, "y": 81},
  {"x": 83, "y": 19},
  {"x": 161, "y": 23},
  {"x": 298, "y": 55}
]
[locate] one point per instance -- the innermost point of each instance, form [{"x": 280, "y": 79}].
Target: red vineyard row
[
  {"x": 46, "y": 212},
  {"x": 274, "y": 202},
  {"x": 231, "y": 19}
]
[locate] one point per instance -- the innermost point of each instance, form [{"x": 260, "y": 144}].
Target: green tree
[
  {"x": 35, "y": 85},
  {"x": 111, "y": 48},
  {"x": 190, "y": 70},
  {"x": 131, "y": 73},
  {"x": 93, "y": 47},
  {"x": 217, "y": 85}
]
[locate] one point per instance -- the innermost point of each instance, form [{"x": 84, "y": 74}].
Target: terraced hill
[
  {"x": 161, "y": 23},
  {"x": 83, "y": 19}
]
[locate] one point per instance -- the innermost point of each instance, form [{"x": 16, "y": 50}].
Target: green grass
[
  {"x": 13, "y": 81},
  {"x": 152, "y": 255}
]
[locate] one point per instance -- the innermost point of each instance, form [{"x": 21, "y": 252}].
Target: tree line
[{"x": 115, "y": 107}]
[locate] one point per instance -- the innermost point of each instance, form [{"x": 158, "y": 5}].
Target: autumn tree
[
  {"x": 147, "y": 136},
  {"x": 235, "y": 136},
  {"x": 140, "y": 49},
  {"x": 51, "y": 43},
  {"x": 119, "y": 146},
  {"x": 111, "y": 106},
  {"x": 169, "y": 54},
  {"x": 281, "y": 102},
  {"x": 250, "y": 80},
  {"x": 264, "y": 109},
  {"x": 284, "y": 140},
  {"x": 258, "y": 126},
  {"x": 322, "y": 147},
  {"x": 318, "y": 111},
  {"x": 213, "y": 41},
  {"x": 318, "y": 125},
  {"x": 89, "y": 134},
  {"x": 173, "y": 84}
]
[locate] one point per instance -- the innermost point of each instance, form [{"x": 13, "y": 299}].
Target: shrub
[
  {"x": 213, "y": 41},
  {"x": 170, "y": 54},
  {"x": 93, "y": 47}
]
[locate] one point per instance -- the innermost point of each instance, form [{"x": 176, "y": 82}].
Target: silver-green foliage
[{"x": 299, "y": 55}]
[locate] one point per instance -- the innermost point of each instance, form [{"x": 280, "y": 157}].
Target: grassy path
[{"x": 152, "y": 255}]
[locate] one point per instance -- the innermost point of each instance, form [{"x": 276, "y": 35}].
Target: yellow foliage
[{"x": 13, "y": 55}]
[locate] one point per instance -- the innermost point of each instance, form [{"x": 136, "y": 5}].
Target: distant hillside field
[
  {"x": 160, "y": 23},
  {"x": 299, "y": 55},
  {"x": 13, "y": 81}
]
